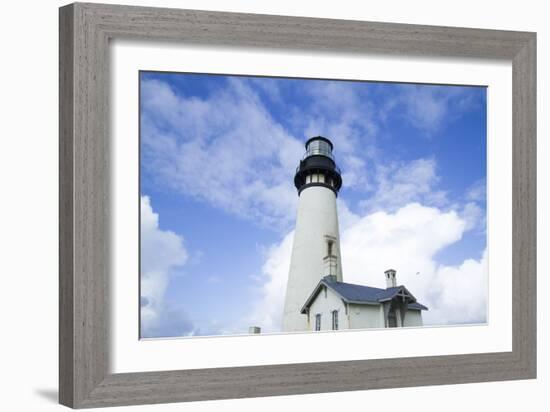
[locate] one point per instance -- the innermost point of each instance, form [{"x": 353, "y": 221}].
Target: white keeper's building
[{"x": 317, "y": 298}]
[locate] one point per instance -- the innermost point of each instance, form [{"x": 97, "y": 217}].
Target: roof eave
[
  {"x": 362, "y": 302},
  {"x": 422, "y": 307},
  {"x": 312, "y": 297}
]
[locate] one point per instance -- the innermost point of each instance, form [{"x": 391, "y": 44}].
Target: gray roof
[
  {"x": 360, "y": 294},
  {"x": 416, "y": 305}
]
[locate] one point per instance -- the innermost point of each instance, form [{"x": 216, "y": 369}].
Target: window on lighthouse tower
[
  {"x": 330, "y": 260},
  {"x": 330, "y": 245}
]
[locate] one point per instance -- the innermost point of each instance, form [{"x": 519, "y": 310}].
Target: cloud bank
[
  {"x": 429, "y": 107},
  {"x": 225, "y": 150},
  {"x": 408, "y": 241},
  {"x": 162, "y": 252},
  {"x": 399, "y": 183},
  {"x": 255, "y": 153}
]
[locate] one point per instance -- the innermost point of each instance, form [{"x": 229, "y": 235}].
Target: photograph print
[{"x": 280, "y": 205}]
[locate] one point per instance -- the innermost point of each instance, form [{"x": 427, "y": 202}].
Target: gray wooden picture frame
[{"x": 85, "y": 31}]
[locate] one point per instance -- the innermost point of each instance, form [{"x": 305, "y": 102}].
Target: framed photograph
[{"x": 256, "y": 205}]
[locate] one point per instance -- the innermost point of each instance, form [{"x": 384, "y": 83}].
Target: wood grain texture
[
  {"x": 66, "y": 228},
  {"x": 85, "y": 31},
  {"x": 524, "y": 205}
]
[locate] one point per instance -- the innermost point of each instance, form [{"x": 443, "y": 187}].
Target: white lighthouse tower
[{"x": 316, "y": 248}]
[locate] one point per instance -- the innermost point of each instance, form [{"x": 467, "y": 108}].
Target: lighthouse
[{"x": 316, "y": 247}]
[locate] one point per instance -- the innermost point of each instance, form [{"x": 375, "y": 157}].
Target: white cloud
[
  {"x": 161, "y": 252},
  {"x": 269, "y": 86},
  {"x": 424, "y": 108},
  {"x": 399, "y": 183},
  {"x": 478, "y": 191},
  {"x": 428, "y": 108},
  {"x": 337, "y": 110},
  {"x": 408, "y": 241},
  {"x": 473, "y": 210},
  {"x": 463, "y": 297},
  {"x": 267, "y": 311},
  {"x": 474, "y": 216},
  {"x": 225, "y": 149}
]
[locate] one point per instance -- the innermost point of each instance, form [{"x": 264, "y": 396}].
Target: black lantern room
[{"x": 317, "y": 167}]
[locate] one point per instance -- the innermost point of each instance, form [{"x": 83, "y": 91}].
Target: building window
[
  {"x": 334, "y": 320},
  {"x": 318, "y": 322},
  {"x": 330, "y": 244}
]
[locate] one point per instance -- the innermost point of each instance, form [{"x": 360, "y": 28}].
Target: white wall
[
  {"x": 413, "y": 318},
  {"x": 316, "y": 218},
  {"x": 324, "y": 305},
  {"x": 365, "y": 316},
  {"x": 28, "y": 170},
  {"x": 358, "y": 316}
]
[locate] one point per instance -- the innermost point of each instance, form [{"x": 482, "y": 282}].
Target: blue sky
[{"x": 218, "y": 154}]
